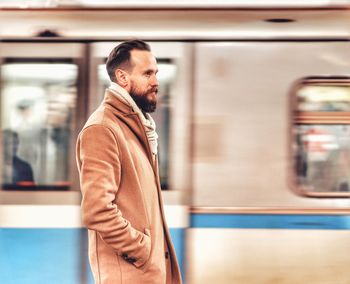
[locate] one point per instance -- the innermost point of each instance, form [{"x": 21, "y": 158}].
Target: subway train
[{"x": 253, "y": 120}]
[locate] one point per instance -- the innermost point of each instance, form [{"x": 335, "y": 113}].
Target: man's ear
[{"x": 122, "y": 77}]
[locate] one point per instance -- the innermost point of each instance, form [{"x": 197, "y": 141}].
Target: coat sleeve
[{"x": 99, "y": 166}]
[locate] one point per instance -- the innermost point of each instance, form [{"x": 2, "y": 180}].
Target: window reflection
[
  {"x": 324, "y": 98},
  {"x": 166, "y": 76},
  {"x": 322, "y": 160},
  {"x": 37, "y": 104}
]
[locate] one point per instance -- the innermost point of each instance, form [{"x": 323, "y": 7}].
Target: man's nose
[{"x": 154, "y": 82}]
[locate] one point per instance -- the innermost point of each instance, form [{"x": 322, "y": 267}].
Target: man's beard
[{"x": 143, "y": 101}]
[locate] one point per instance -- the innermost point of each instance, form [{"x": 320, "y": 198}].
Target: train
[{"x": 254, "y": 129}]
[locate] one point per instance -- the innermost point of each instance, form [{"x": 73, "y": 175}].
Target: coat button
[{"x": 166, "y": 255}]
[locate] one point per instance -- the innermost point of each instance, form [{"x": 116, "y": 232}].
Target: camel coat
[{"x": 129, "y": 241}]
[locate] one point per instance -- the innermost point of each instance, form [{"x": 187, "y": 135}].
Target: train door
[
  {"x": 271, "y": 116},
  {"x": 172, "y": 119},
  {"x": 42, "y": 107}
]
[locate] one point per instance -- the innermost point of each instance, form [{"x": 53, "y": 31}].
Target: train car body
[{"x": 254, "y": 125}]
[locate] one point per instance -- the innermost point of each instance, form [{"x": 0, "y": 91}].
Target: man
[
  {"x": 129, "y": 241},
  {"x": 16, "y": 171}
]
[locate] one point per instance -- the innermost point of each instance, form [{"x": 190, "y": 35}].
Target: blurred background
[{"x": 254, "y": 134}]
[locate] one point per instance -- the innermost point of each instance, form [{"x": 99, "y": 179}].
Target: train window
[
  {"x": 38, "y": 99},
  {"x": 166, "y": 76},
  {"x": 322, "y": 137}
]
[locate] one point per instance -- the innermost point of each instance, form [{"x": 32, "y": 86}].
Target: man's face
[{"x": 143, "y": 81}]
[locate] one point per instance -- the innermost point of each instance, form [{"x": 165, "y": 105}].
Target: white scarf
[{"x": 146, "y": 119}]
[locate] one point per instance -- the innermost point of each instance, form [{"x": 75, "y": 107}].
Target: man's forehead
[{"x": 142, "y": 57}]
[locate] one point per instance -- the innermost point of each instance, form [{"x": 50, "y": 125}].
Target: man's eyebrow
[{"x": 151, "y": 71}]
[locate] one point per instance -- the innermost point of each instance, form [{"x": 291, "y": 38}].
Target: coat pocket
[
  {"x": 145, "y": 266},
  {"x": 139, "y": 257}
]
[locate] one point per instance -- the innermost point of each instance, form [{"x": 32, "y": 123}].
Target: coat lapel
[{"x": 125, "y": 113}]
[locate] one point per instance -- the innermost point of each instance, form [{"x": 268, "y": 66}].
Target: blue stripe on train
[
  {"x": 32, "y": 256},
  {"x": 40, "y": 256},
  {"x": 267, "y": 221}
]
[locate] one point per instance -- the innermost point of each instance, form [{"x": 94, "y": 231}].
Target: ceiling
[
  {"x": 178, "y": 24},
  {"x": 27, "y": 4}
]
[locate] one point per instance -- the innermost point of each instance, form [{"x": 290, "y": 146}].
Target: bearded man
[{"x": 129, "y": 241}]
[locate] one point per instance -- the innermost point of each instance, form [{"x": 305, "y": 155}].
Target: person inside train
[
  {"x": 129, "y": 241},
  {"x": 15, "y": 170}
]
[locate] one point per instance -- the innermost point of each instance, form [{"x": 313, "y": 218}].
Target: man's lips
[{"x": 155, "y": 92}]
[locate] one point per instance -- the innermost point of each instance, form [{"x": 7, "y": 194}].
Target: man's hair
[{"x": 119, "y": 58}]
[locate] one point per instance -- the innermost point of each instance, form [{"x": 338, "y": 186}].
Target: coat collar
[{"x": 117, "y": 105}]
